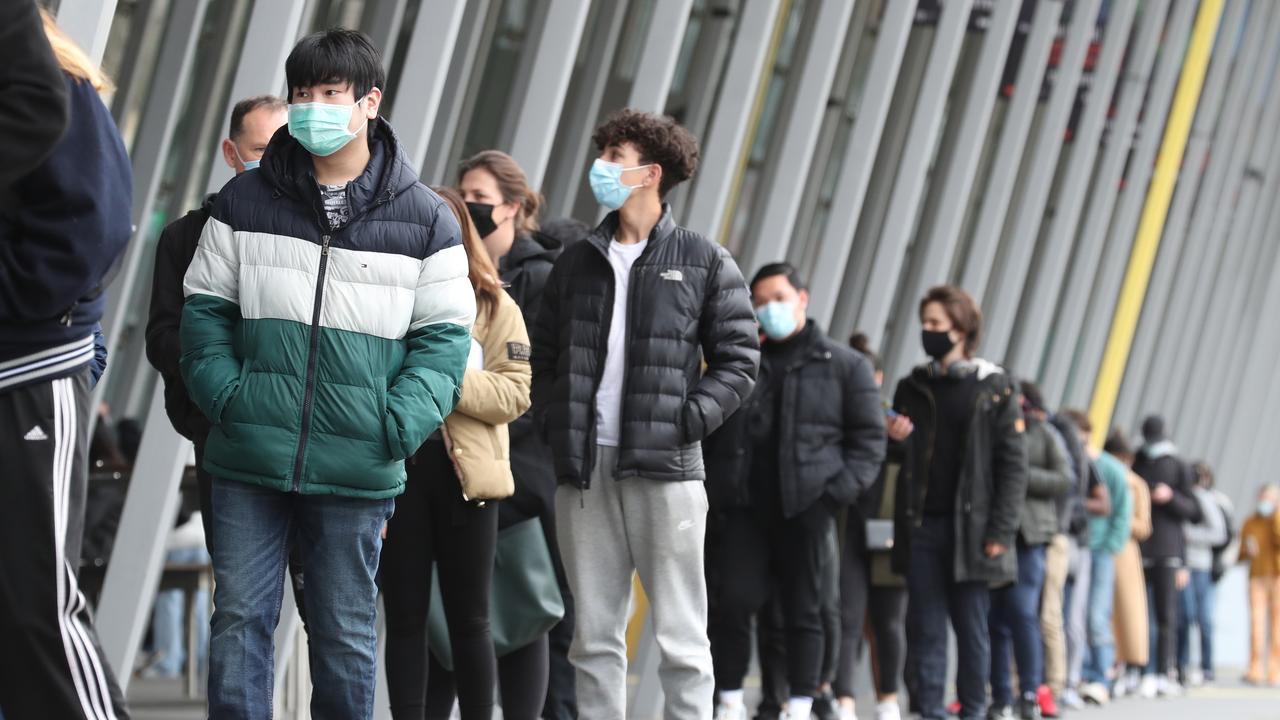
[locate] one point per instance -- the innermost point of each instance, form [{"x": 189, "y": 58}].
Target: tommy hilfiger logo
[
  {"x": 35, "y": 434},
  {"x": 673, "y": 275}
]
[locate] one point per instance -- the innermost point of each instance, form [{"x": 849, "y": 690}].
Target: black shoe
[
  {"x": 1029, "y": 708},
  {"x": 825, "y": 707}
]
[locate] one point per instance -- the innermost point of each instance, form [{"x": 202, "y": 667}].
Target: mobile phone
[{"x": 890, "y": 413}]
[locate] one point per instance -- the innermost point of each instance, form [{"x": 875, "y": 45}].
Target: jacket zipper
[
  {"x": 312, "y": 352},
  {"x": 626, "y": 364}
]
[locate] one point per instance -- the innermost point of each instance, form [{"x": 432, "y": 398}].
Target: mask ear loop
[
  {"x": 366, "y": 120},
  {"x": 638, "y": 167}
]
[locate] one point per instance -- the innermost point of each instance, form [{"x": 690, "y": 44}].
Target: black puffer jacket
[
  {"x": 829, "y": 429},
  {"x": 687, "y": 302},
  {"x": 1158, "y": 463},
  {"x": 993, "y": 481}
]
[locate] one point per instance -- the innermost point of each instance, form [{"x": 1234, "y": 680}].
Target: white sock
[
  {"x": 799, "y": 707},
  {"x": 732, "y": 698}
]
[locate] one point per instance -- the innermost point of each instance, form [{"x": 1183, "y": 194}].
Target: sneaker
[
  {"x": 1029, "y": 707},
  {"x": 1095, "y": 693},
  {"x": 1071, "y": 699},
  {"x": 1148, "y": 688},
  {"x": 1195, "y": 678},
  {"x": 1168, "y": 687},
  {"x": 825, "y": 706},
  {"x": 731, "y": 712},
  {"x": 888, "y": 710},
  {"x": 848, "y": 713},
  {"x": 1001, "y": 713},
  {"x": 955, "y": 707},
  {"x": 1048, "y": 705}
]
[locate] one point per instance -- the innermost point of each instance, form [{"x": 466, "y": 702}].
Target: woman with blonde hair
[
  {"x": 448, "y": 514},
  {"x": 63, "y": 225}
]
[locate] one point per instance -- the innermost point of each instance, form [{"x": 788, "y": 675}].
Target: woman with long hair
[{"x": 448, "y": 514}]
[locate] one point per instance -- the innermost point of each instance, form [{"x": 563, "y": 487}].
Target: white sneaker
[
  {"x": 1168, "y": 687},
  {"x": 1195, "y": 678},
  {"x": 1071, "y": 700},
  {"x": 731, "y": 712},
  {"x": 888, "y": 711},
  {"x": 1095, "y": 693},
  {"x": 1148, "y": 688}
]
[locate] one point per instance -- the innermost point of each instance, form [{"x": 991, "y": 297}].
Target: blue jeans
[
  {"x": 933, "y": 594},
  {"x": 167, "y": 626},
  {"x": 1015, "y": 623},
  {"x": 1197, "y": 609},
  {"x": 341, "y": 539},
  {"x": 1102, "y": 642}
]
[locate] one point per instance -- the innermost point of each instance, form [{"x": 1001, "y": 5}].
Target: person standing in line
[
  {"x": 455, "y": 524},
  {"x": 1164, "y": 554},
  {"x": 629, "y": 318},
  {"x": 1260, "y": 547},
  {"x": 1130, "y": 618},
  {"x": 1107, "y": 537},
  {"x": 872, "y": 597},
  {"x": 816, "y": 432},
  {"x": 325, "y": 335},
  {"x": 35, "y": 114},
  {"x": 505, "y": 209},
  {"x": 955, "y": 519},
  {"x": 1205, "y": 540},
  {"x": 63, "y": 226}
]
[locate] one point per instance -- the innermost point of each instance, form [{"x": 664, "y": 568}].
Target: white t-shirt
[{"x": 609, "y": 396}]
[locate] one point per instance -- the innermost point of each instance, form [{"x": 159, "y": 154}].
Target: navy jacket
[{"x": 68, "y": 227}]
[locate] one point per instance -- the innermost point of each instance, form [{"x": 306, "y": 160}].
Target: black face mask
[
  {"x": 482, "y": 216},
  {"x": 936, "y": 343}
]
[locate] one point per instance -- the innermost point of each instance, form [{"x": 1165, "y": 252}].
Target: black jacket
[
  {"x": 34, "y": 113},
  {"x": 687, "y": 302},
  {"x": 993, "y": 482},
  {"x": 174, "y": 250},
  {"x": 829, "y": 430},
  {"x": 1159, "y": 463}
]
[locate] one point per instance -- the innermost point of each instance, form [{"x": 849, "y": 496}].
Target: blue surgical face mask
[
  {"x": 321, "y": 128},
  {"x": 1266, "y": 508},
  {"x": 248, "y": 164},
  {"x": 777, "y": 319},
  {"x": 606, "y": 182}
]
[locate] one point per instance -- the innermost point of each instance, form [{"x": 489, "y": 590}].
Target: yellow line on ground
[{"x": 1147, "y": 240}]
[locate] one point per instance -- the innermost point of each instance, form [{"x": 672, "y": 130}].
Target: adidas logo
[{"x": 35, "y": 434}]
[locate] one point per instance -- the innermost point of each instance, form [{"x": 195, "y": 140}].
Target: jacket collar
[
  {"x": 608, "y": 228},
  {"x": 1160, "y": 449},
  {"x": 973, "y": 366}
]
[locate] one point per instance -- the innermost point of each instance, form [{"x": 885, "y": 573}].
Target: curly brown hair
[{"x": 658, "y": 138}]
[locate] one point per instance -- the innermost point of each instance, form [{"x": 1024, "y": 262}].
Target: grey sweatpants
[{"x": 656, "y": 528}]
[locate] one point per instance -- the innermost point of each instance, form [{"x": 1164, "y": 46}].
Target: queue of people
[{"x": 495, "y": 422}]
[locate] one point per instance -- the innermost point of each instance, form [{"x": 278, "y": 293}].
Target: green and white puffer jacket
[{"x": 325, "y": 357}]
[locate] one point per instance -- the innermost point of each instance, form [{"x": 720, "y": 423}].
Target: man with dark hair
[
  {"x": 1164, "y": 554},
  {"x": 325, "y": 334},
  {"x": 628, "y": 318},
  {"x": 812, "y": 442}
]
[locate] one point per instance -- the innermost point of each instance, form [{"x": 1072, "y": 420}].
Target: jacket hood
[
  {"x": 207, "y": 205},
  {"x": 1159, "y": 449},
  {"x": 536, "y": 246},
  {"x": 287, "y": 167},
  {"x": 983, "y": 368}
]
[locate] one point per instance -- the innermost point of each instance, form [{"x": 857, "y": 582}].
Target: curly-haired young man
[{"x": 628, "y": 318}]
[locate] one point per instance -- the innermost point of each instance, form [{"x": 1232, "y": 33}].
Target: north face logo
[{"x": 673, "y": 275}]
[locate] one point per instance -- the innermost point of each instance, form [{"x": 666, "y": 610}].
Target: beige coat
[
  {"x": 1130, "y": 613},
  {"x": 476, "y": 432}
]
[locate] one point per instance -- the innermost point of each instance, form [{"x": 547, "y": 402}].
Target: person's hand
[
  {"x": 1182, "y": 579},
  {"x": 1161, "y": 494},
  {"x": 993, "y": 549},
  {"x": 899, "y": 428},
  {"x": 448, "y": 449}
]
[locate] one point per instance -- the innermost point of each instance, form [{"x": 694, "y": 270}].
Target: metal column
[
  {"x": 855, "y": 171},
  {"x": 88, "y": 22},
  {"x": 1198, "y": 155},
  {"x": 800, "y": 122},
  {"x": 953, "y": 181},
  {"x": 1013, "y": 140},
  {"x": 1132, "y": 198},
  {"x": 659, "y": 55},
  {"x": 727, "y": 133},
  {"x": 417, "y": 100},
  {"x": 382, "y": 22},
  {"x": 273, "y": 29},
  {"x": 468, "y": 61},
  {"x": 1102, "y": 198},
  {"x": 904, "y": 205},
  {"x": 1003, "y": 299},
  {"x": 538, "y": 112}
]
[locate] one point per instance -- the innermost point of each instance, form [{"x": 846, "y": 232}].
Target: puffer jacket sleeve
[
  {"x": 1048, "y": 473},
  {"x": 864, "y": 433},
  {"x": 438, "y": 340},
  {"x": 500, "y": 392},
  {"x": 1009, "y": 472},
  {"x": 730, "y": 346},
  {"x": 209, "y": 318},
  {"x": 546, "y": 341}
]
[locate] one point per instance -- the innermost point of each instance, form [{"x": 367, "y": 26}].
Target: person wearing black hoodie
[
  {"x": 1164, "y": 554},
  {"x": 34, "y": 114},
  {"x": 64, "y": 226},
  {"x": 504, "y": 209}
]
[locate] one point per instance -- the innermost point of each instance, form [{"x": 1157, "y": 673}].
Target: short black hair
[
  {"x": 784, "y": 269},
  {"x": 1034, "y": 397},
  {"x": 248, "y": 105},
  {"x": 658, "y": 138},
  {"x": 1117, "y": 445},
  {"x": 1153, "y": 429},
  {"x": 337, "y": 55}
]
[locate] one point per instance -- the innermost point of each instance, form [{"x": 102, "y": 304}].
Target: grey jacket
[
  {"x": 1210, "y": 532},
  {"x": 1048, "y": 479}
]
